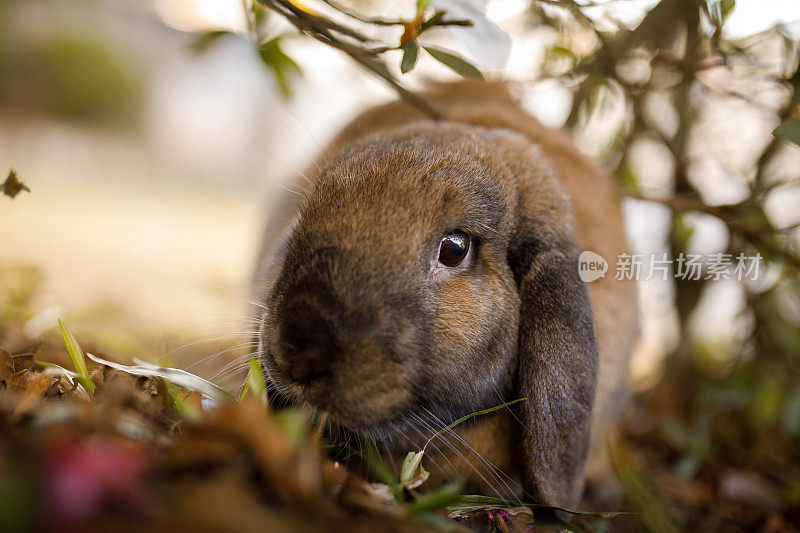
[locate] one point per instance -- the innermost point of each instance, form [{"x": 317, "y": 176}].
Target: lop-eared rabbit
[{"x": 431, "y": 271}]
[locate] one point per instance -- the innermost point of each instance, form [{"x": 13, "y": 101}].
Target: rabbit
[{"x": 432, "y": 272}]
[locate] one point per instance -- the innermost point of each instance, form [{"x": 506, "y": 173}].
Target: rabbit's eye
[{"x": 453, "y": 249}]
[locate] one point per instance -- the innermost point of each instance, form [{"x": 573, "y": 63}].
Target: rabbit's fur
[{"x": 361, "y": 325}]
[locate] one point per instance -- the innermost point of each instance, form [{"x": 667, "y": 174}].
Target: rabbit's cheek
[
  {"x": 460, "y": 313},
  {"x": 469, "y": 308}
]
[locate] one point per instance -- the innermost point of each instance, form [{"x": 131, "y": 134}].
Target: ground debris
[
  {"x": 128, "y": 455},
  {"x": 12, "y": 186}
]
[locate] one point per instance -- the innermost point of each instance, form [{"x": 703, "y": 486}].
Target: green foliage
[
  {"x": 282, "y": 66},
  {"x": 179, "y": 399},
  {"x": 477, "y": 502},
  {"x": 789, "y": 131},
  {"x": 82, "y": 79},
  {"x": 413, "y": 459},
  {"x": 640, "y": 492},
  {"x": 438, "y": 522},
  {"x": 76, "y": 356},
  {"x": 410, "y": 54},
  {"x": 455, "y": 62},
  {"x": 435, "y": 20},
  {"x": 20, "y": 497},
  {"x": 255, "y": 383},
  {"x": 205, "y": 40},
  {"x": 437, "y": 498},
  {"x": 410, "y": 465},
  {"x": 719, "y": 10},
  {"x": 376, "y": 465},
  {"x": 295, "y": 425}
]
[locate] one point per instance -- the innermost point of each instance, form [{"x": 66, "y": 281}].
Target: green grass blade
[
  {"x": 440, "y": 523},
  {"x": 256, "y": 382},
  {"x": 294, "y": 425},
  {"x": 76, "y": 356},
  {"x": 243, "y": 392},
  {"x": 467, "y": 417},
  {"x": 375, "y": 463},
  {"x": 438, "y": 498},
  {"x": 475, "y": 501}
]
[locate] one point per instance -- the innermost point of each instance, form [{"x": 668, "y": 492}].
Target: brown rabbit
[{"x": 433, "y": 272}]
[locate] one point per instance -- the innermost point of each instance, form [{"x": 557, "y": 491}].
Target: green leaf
[
  {"x": 178, "y": 399},
  {"x": 789, "y": 131},
  {"x": 726, "y": 7},
  {"x": 438, "y": 498},
  {"x": 410, "y": 53},
  {"x": 76, "y": 356},
  {"x": 629, "y": 179},
  {"x": 294, "y": 424},
  {"x": 205, "y": 40},
  {"x": 422, "y": 5},
  {"x": 375, "y": 463},
  {"x": 281, "y": 65},
  {"x": 682, "y": 229},
  {"x": 474, "y": 501},
  {"x": 410, "y": 465},
  {"x": 562, "y": 51},
  {"x": 455, "y": 62},
  {"x": 260, "y": 13},
  {"x": 467, "y": 417},
  {"x": 256, "y": 382},
  {"x": 431, "y": 22},
  {"x": 440, "y": 523}
]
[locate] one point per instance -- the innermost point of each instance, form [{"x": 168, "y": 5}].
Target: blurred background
[{"x": 155, "y": 135}]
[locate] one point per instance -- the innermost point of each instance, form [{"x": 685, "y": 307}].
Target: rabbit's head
[{"x": 433, "y": 268}]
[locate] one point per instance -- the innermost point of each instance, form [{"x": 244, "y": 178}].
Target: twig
[
  {"x": 730, "y": 216},
  {"x": 322, "y": 29},
  {"x": 378, "y": 21}
]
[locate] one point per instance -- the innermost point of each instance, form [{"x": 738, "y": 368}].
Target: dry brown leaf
[
  {"x": 6, "y": 369},
  {"x": 374, "y": 498},
  {"x": 13, "y": 186},
  {"x": 36, "y": 387}
]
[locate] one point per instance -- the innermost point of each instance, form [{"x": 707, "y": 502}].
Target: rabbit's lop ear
[{"x": 557, "y": 355}]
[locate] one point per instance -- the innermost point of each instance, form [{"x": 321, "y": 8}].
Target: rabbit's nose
[
  {"x": 309, "y": 364},
  {"x": 308, "y": 340}
]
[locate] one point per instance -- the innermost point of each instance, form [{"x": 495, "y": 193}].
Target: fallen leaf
[
  {"x": 13, "y": 186},
  {"x": 35, "y": 388},
  {"x": 6, "y": 368}
]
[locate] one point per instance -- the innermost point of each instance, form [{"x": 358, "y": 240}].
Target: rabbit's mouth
[{"x": 370, "y": 398}]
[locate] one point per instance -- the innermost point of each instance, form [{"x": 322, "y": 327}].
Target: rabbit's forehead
[{"x": 409, "y": 192}]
